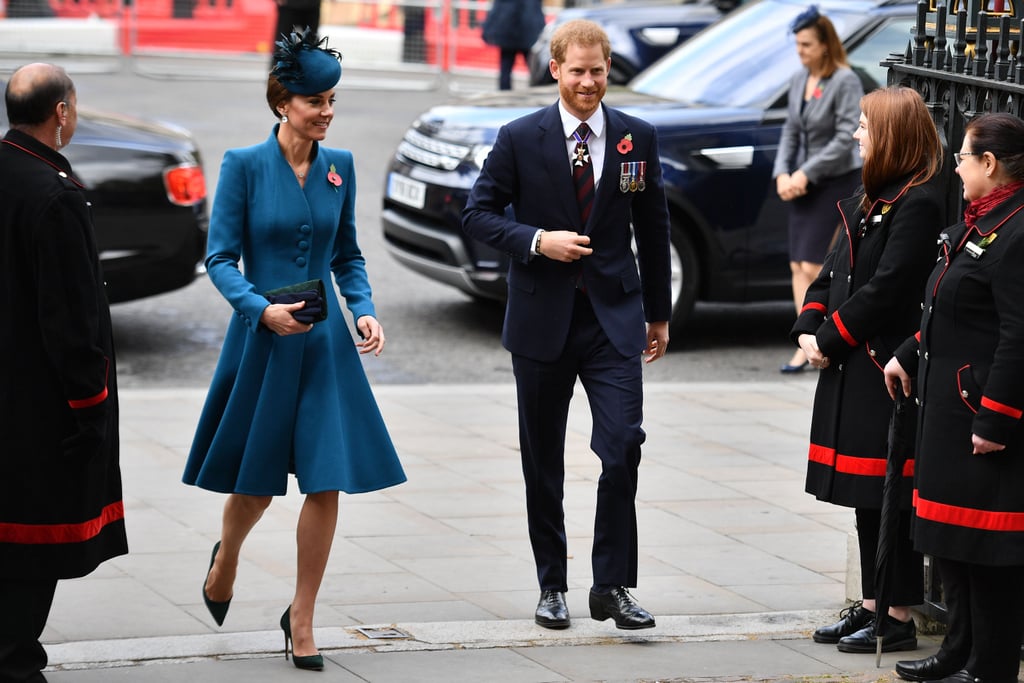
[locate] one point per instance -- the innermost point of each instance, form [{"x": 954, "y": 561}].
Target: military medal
[
  {"x": 624, "y": 177},
  {"x": 641, "y": 182}
]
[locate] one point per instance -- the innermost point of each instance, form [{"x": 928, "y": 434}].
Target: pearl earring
[
  {"x": 284, "y": 118},
  {"x": 59, "y": 143}
]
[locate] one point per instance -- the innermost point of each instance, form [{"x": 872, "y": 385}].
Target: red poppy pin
[
  {"x": 625, "y": 145},
  {"x": 817, "y": 93},
  {"x": 333, "y": 178}
]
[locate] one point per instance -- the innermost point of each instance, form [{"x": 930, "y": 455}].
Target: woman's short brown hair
[
  {"x": 578, "y": 32},
  {"x": 904, "y": 140}
]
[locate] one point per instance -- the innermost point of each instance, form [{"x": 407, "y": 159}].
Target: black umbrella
[{"x": 900, "y": 444}]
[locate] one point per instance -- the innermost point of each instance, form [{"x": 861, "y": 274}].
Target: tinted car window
[
  {"x": 709, "y": 70},
  {"x": 867, "y": 56}
]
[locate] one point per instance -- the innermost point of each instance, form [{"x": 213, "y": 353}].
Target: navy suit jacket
[{"x": 529, "y": 169}]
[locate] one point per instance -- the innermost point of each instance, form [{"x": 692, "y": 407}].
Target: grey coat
[{"x": 819, "y": 140}]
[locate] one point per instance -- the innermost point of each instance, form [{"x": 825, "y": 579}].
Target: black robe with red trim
[
  {"x": 61, "y": 512},
  {"x": 970, "y": 374},
  {"x": 865, "y": 302}
]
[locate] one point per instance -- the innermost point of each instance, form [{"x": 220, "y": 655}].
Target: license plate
[{"x": 406, "y": 190}]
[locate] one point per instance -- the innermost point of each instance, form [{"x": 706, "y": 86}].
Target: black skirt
[{"x": 814, "y": 218}]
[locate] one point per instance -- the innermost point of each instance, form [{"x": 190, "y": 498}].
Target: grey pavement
[{"x": 433, "y": 580}]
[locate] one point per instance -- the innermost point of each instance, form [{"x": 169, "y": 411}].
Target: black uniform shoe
[
  {"x": 551, "y": 610},
  {"x": 898, "y": 636},
  {"x": 851, "y": 620},
  {"x": 620, "y": 606},
  {"x": 928, "y": 669}
]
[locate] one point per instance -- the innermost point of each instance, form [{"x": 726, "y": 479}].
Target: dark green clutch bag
[{"x": 310, "y": 291}]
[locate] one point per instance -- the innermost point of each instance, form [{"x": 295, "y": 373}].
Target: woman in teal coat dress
[{"x": 289, "y": 395}]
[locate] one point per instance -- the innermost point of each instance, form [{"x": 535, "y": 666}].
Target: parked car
[
  {"x": 639, "y": 32},
  {"x": 718, "y": 102},
  {"x": 146, "y": 185}
]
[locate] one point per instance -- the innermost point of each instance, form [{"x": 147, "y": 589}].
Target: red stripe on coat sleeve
[
  {"x": 1001, "y": 408},
  {"x": 93, "y": 400},
  {"x": 814, "y": 306},
  {"x": 89, "y": 402},
  {"x": 843, "y": 332}
]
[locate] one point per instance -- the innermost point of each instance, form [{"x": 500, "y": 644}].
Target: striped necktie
[{"x": 583, "y": 172}]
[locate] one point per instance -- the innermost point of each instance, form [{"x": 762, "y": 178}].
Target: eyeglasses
[{"x": 958, "y": 156}]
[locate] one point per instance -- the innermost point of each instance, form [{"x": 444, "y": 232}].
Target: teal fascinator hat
[{"x": 304, "y": 64}]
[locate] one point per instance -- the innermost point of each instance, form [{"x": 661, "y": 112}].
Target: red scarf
[{"x": 979, "y": 207}]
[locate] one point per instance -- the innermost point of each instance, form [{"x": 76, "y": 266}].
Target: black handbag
[{"x": 310, "y": 291}]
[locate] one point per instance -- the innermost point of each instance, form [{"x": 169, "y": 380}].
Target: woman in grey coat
[{"x": 817, "y": 163}]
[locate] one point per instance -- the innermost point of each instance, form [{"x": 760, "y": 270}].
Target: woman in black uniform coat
[
  {"x": 866, "y": 301},
  {"x": 969, "y": 363}
]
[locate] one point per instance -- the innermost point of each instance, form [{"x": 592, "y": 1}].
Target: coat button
[
  {"x": 304, "y": 229},
  {"x": 849, "y": 278},
  {"x": 872, "y": 353},
  {"x": 300, "y": 261},
  {"x": 303, "y": 245},
  {"x": 917, "y": 401},
  {"x": 922, "y": 305},
  {"x": 831, "y": 273},
  {"x": 930, "y": 308},
  {"x": 926, "y": 355},
  {"x": 964, "y": 393},
  {"x": 840, "y": 367}
]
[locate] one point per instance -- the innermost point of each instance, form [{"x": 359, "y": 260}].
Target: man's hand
[
  {"x": 657, "y": 341},
  {"x": 564, "y": 245}
]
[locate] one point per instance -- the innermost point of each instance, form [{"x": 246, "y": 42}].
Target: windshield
[{"x": 711, "y": 68}]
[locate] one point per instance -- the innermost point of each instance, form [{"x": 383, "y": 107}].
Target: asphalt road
[{"x": 435, "y": 334}]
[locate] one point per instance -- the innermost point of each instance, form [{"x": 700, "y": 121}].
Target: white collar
[{"x": 570, "y": 123}]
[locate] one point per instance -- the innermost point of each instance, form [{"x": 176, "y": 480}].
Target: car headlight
[{"x": 480, "y": 153}]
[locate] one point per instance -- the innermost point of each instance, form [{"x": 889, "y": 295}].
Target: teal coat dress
[{"x": 298, "y": 403}]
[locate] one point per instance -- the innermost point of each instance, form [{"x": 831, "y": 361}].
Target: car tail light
[{"x": 185, "y": 184}]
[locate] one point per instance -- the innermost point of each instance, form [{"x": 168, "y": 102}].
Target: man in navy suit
[{"x": 579, "y": 306}]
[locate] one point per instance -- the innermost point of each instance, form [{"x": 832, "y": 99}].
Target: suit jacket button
[
  {"x": 300, "y": 261},
  {"x": 964, "y": 393}
]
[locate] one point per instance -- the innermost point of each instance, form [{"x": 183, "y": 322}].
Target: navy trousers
[
  {"x": 614, "y": 388},
  {"x": 25, "y": 609}
]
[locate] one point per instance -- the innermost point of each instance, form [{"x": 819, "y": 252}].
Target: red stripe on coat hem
[
  {"x": 55, "y": 534},
  {"x": 972, "y": 518},
  {"x": 850, "y": 464}
]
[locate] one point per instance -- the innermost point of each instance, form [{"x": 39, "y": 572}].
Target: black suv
[{"x": 718, "y": 102}]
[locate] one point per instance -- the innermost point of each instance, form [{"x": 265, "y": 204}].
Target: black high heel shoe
[
  {"x": 218, "y": 610},
  {"x": 311, "y": 662}
]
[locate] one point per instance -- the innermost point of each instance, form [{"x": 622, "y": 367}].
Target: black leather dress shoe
[
  {"x": 899, "y": 635},
  {"x": 928, "y": 669},
  {"x": 551, "y": 610},
  {"x": 619, "y": 605},
  {"x": 965, "y": 676},
  {"x": 852, "y": 619}
]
